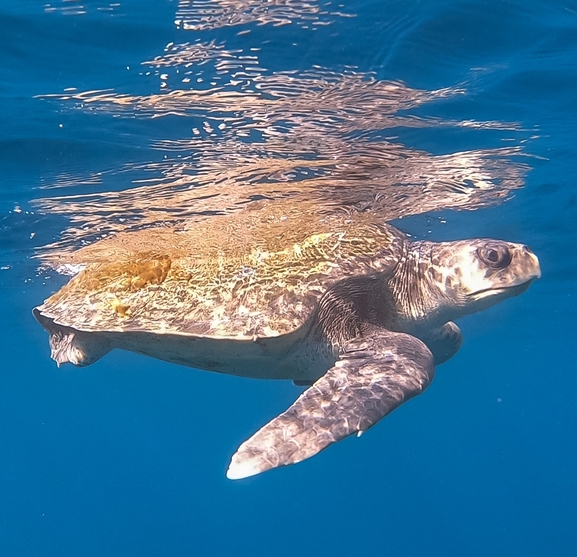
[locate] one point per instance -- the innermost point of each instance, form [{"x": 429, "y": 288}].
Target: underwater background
[{"x": 114, "y": 116}]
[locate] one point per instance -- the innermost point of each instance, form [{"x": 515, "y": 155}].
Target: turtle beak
[
  {"x": 537, "y": 266},
  {"x": 531, "y": 264},
  {"x": 528, "y": 270}
]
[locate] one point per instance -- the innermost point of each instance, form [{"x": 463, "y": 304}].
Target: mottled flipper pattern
[
  {"x": 69, "y": 345},
  {"x": 444, "y": 342},
  {"x": 375, "y": 374}
]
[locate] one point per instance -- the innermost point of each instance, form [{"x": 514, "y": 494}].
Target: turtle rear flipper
[
  {"x": 375, "y": 374},
  {"x": 69, "y": 345}
]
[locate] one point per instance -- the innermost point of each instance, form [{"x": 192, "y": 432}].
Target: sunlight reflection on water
[{"x": 324, "y": 136}]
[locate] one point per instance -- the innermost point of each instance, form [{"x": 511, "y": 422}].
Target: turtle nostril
[{"x": 527, "y": 250}]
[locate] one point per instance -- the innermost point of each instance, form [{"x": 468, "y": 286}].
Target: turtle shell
[{"x": 258, "y": 272}]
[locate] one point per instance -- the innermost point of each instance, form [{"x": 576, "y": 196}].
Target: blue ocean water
[{"x": 111, "y": 110}]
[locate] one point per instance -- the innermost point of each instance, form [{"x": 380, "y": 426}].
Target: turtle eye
[{"x": 495, "y": 256}]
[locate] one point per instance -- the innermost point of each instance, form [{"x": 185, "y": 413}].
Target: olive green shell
[{"x": 259, "y": 272}]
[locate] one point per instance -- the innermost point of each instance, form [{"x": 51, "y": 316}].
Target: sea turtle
[{"x": 340, "y": 302}]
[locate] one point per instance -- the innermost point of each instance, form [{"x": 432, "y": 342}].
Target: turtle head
[
  {"x": 472, "y": 275},
  {"x": 462, "y": 277}
]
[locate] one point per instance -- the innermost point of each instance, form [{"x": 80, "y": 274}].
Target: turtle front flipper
[
  {"x": 375, "y": 374},
  {"x": 444, "y": 342}
]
